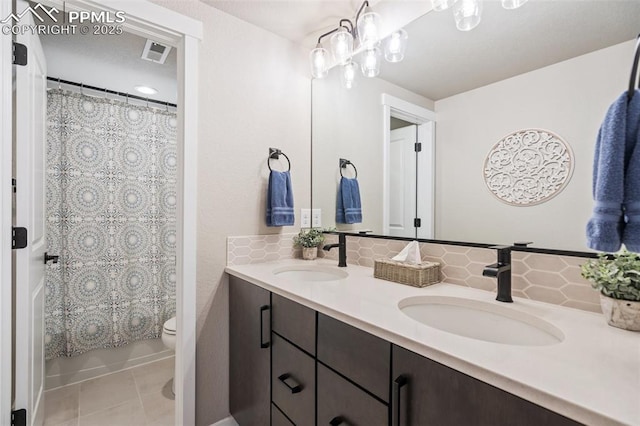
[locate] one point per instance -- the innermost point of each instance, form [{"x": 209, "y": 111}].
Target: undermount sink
[
  {"x": 310, "y": 273},
  {"x": 491, "y": 322}
]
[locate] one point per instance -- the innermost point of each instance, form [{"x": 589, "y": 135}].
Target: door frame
[
  {"x": 407, "y": 111},
  {"x": 150, "y": 20}
]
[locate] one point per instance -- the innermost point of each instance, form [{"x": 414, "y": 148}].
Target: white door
[
  {"x": 30, "y": 214},
  {"x": 425, "y": 180},
  {"x": 402, "y": 182}
]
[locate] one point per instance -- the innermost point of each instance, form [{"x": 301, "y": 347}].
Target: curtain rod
[{"x": 113, "y": 92}]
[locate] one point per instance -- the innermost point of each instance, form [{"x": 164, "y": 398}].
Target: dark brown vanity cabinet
[
  {"x": 290, "y": 365},
  {"x": 250, "y": 348},
  {"x": 425, "y": 393}
]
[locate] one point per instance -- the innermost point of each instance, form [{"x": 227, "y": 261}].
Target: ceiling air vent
[{"x": 155, "y": 52}]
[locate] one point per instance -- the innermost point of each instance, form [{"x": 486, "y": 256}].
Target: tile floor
[{"x": 140, "y": 396}]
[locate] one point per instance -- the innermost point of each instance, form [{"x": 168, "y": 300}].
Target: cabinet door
[
  {"x": 343, "y": 403},
  {"x": 358, "y": 355},
  {"x": 249, "y": 353},
  {"x": 428, "y": 393}
]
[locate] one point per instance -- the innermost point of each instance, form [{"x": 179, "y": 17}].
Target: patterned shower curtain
[{"x": 111, "y": 216}]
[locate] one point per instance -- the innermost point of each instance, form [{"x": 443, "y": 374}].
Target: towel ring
[
  {"x": 274, "y": 154},
  {"x": 343, "y": 165}
]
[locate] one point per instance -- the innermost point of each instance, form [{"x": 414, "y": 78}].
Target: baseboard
[
  {"x": 66, "y": 371},
  {"x": 229, "y": 421}
]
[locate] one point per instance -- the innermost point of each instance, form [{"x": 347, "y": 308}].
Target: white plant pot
[
  {"x": 309, "y": 253},
  {"x": 619, "y": 313}
]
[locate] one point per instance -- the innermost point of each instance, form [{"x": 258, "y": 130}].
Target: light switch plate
[
  {"x": 305, "y": 218},
  {"x": 316, "y": 218}
]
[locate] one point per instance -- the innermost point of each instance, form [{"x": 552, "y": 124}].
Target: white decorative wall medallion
[{"x": 528, "y": 167}]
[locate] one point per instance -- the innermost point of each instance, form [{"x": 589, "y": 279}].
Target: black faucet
[
  {"x": 502, "y": 271},
  {"x": 342, "y": 249}
]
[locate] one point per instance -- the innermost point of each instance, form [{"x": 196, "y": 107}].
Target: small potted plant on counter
[
  {"x": 618, "y": 279},
  {"x": 309, "y": 239}
]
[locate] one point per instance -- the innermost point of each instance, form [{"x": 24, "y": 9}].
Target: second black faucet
[
  {"x": 342, "y": 249},
  {"x": 502, "y": 271}
]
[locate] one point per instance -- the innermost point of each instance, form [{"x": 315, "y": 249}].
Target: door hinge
[
  {"x": 19, "y": 238},
  {"x": 417, "y": 222},
  {"x": 417, "y": 147},
  {"x": 19, "y": 417},
  {"x": 19, "y": 54}
]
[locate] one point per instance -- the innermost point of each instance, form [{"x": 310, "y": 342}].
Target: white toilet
[{"x": 169, "y": 339}]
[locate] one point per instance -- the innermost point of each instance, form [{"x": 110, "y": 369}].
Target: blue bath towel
[
  {"x": 615, "y": 144},
  {"x": 631, "y": 206},
  {"x": 280, "y": 199},
  {"x": 348, "y": 204}
]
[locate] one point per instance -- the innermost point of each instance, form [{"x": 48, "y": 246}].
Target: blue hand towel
[
  {"x": 348, "y": 204},
  {"x": 631, "y": 234},
  {"x": 280, "y": 199},
  {"x": 614, "y": 146}
]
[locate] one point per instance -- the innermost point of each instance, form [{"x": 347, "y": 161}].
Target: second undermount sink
[
  {"x": 310, "y": 273},
  {"x": 491, "y": 322}
]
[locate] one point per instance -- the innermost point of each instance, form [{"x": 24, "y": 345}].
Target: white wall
[
  {"x": 254, "y": 94},
  {"x": 348, "y": 124},
  {"x": 570, "y": 99}
]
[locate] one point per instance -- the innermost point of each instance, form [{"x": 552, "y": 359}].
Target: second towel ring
[
  {"x": 343, "y": 165},
  {"x": 274, "y": 154}
]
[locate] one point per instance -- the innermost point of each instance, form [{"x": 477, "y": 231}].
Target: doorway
[
  {"x": 408, "y": 169},
  {"x": 150, "y": 20}
]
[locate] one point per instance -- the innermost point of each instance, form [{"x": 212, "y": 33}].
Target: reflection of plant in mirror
[
  {"x": 309, "y": 238},
  {"x": 617, "y": 276}
]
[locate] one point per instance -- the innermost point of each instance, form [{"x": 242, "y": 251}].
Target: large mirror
[{"x": 551, "y": 67}]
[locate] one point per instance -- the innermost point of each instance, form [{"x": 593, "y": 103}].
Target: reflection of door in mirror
[
  {"x": 402, "y": 180},
  {"x": 408, "y": 170}
]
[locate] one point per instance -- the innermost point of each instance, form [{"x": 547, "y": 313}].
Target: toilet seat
[{"x": 170, "y": 326}]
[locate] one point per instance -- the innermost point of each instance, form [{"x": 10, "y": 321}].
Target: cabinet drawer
[
  {"x": 294, "y": 322},
  {"x": 340, "y": 400},
  {"x": 358, "y": 355},
  {"x": 293, "y": 382},
  {"x": 279, "y": 419}
]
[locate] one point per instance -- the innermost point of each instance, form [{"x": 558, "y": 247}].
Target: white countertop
[{"x": 592, "y": 376}]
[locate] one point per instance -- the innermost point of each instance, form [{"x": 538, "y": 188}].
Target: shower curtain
[{"x": 111, "y": 216}]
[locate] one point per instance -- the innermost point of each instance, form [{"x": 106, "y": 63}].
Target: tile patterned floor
[{"x": 140, "y": 396}]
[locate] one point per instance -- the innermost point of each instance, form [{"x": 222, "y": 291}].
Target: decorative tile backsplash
[
  {"x": 260, "y": 248},
  {"x": 546, "y": 278}
]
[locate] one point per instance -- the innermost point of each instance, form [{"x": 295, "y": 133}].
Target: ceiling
[
  {"x": 442, "y": 61},
  {"x": 109, "y": 61}
]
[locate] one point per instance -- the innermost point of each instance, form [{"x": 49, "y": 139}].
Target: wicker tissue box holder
[{"x": 422, "y": 275}]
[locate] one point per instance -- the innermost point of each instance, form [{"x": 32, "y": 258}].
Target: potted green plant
[
  {"x": 309, "y": 240},
  {"x": 617, "y": 277}
]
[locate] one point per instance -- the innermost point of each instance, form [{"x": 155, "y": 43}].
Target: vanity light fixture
[
  {"x": 371, "y": 62},
  {"x": 348, "y": 74},
  {"x": 319, "y": 61},
  {"x": 342, "y": 44},
  {"x": 395, "y": 46},
  {"x": 467, "y": 13},
  {"x": 513, "y": 4},
  {"x": 440, "y": 5},
  {"x": 364, "y": 35}
]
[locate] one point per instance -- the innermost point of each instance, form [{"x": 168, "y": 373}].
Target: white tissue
[{"x": 410, "y": 254}]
